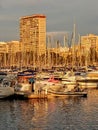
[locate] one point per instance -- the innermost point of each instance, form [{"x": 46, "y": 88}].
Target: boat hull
[
  {"x": 53, "y": 93},
  {"x": 6, "y": 92}
]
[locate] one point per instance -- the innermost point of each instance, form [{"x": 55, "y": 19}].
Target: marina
[
  {"x": 47, "y": 82},
  {"x": 48, "y": 65},
  {"x": 28, "y": 84}
]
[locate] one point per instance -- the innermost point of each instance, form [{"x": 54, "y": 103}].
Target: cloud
[{"x": 61, "y": 14}]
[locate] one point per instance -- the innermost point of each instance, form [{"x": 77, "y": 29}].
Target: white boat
[
  {"x": 68, "y": 93},
  {"x": 90, "y": 80},
  {"x": 6, "y": 92},
  {"x": 65, "y": 91},
  {"x": 22, "y": 87},
  {"x": 47, "y": 84},
  {"x": 23, "y": 84},
  {"x": 6, "y": 89},
  {"x": 69, "y": 80},
  {"x": 88, "y": 84}
]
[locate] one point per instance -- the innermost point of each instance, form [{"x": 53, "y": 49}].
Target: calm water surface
[{"x": 71, "y": 113}]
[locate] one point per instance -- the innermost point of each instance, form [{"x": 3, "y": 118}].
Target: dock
[{"x": 30, "y": 95}]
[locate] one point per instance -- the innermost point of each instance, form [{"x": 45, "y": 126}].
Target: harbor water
[{"x": 67, "y": 113}]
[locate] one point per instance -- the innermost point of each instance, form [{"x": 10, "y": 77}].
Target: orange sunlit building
[{"x": 33, "y": 33}]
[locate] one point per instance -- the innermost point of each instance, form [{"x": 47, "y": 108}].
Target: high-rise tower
[{"x": 33, "y": 32}]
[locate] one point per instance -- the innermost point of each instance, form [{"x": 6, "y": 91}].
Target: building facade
[
  {"x": 33, "y": 33},
  {"x": 89, "y": 46},
  {"x": 10, "y": 53},
  {"x": 90, "y": 40}
]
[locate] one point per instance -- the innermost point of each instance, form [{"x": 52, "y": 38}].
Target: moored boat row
[{"x": 29, "y": 84}]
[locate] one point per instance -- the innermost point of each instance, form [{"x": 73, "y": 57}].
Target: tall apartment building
[
  {"x": 89, "y": 45},
  {"x": 90, "y": 40},
  {"x": 33, "y": 33}
]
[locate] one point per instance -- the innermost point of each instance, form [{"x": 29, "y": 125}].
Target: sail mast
[{"x": 73, "y": 47}]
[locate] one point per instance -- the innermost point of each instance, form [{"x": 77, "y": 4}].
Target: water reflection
[{"x": 71, "y": 113}]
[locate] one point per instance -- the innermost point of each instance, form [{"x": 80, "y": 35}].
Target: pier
[{"x": 30, "y": 95}]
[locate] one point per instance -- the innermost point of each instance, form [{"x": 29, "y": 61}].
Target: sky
[{"x": 61, "y": 16}]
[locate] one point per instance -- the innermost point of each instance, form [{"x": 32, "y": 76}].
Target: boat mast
[
  {"x": 73, "y": 48},
  {"x": 65, "y": 45},
  {"x": 49, "y": 56},
  {"x": 80, "y": 61}
]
